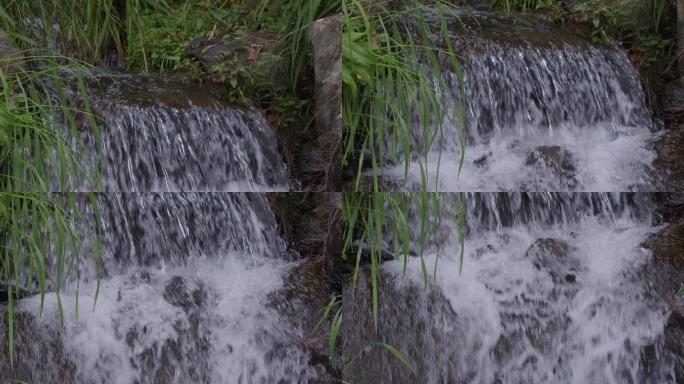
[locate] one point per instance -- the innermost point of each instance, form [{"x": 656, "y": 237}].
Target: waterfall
[
  {"x": 556, "y": 287},
  {"x": 192, "y": 290},
  {"x": 544, "y": 111},
  {"x": 161, "y": 135}
]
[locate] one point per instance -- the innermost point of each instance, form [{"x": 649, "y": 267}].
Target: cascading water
[
  {"x": 162, "y": 135},
  {"x": 189, "y": 293},
  {"x": 555, "y": 288},
  {"x": 544, "y": 111}
]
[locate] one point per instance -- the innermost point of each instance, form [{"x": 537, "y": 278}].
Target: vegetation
[
  {"x": 393, "y": 82},
  {"x": 277, "y": 78},
  {"x": 41, "y": 120},
  {"x": 375, "y": 220},
  {"x": 38, "y": 126}
]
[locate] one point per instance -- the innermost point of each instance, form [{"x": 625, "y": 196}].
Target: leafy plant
[
  {"x": 88, "y": 30},
  {"x": 293, "y": 18},
  {"x": 159, "y": 41},
  {"x": 40, "y": 135},
  {"x": 394, "y": 105},
  {"x": 379, "y": 222}
]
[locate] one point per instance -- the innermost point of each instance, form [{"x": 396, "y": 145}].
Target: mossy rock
[{"x": 232, "y": 59}]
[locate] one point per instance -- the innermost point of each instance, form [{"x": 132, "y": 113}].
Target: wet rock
[
  {"x": 182, "y": 357},
  {"x": 110, "y": 93},
  {"x": 555, "y": 257},
  {"x": 10, "y": 56},
  {"x": 482, "y": 160},
  {"x": 413, "y": 322},
  {"x": 178, "y": 294},
  {"x": 674, "y": 341},
  {"x": 557, "y": 160},
  {"x": 569, "y": 4},
  {"x": 255, "y": 51},
  {"x": 554, "y": 157},
  {"x": 309, "y": 222},
  {"x": 668, "y": 250},
  {"x": 508, "y": 348},
  {"x": 17, "y": 293},
  {"x": 39, "y": 355},
  {"x": 670, "y": 146}
]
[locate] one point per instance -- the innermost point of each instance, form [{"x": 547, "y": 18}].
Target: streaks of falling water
[
  {"x": 163, "y": 148},
  {"x": 163, "y": 135},
  {"x": 186, "y": 296},
  {"x": 555, "y": 288},
  {"x": 546, "y": 116}
]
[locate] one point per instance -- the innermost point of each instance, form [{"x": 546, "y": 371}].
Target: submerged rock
[
  {"x": 555, "y": 257},
  {"x": 554, "y": 157},
  {"x": 559, "y": 160},
  {"x": 178, "y": 294}
]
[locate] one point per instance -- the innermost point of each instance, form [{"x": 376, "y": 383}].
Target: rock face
[
  {"x": 668, "y": 270},
  {"x": 670, "y": 146},
  {"x": 255, "y": 51},
  {"x": 55, "y": 365},
  {"x": 10, "y": 56},
  {"x": 326, "y": 38}
]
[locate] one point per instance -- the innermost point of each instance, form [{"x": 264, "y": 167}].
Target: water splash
[
  {"x": 190, "y": 293},
  {"x": 161, "y": 135},
  {"x": 544, "y": 112},
  {"x": 555, "y": 288}
]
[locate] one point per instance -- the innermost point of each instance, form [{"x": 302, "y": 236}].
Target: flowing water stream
[
  {"x": 555, "y": 288},
  {"x": 191, "y": 292},
  {"x": 161, "y": 134},
  {"x": 544, "y": 110}
]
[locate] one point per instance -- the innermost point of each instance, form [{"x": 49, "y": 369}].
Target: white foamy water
[
  {"x": 559, "y": 293},
  {"x": 542, "y": 116},
  {"x": 227, "y": 331},
  {"x": 591, "y": 159},
  {"x": 193, "y": 290}
]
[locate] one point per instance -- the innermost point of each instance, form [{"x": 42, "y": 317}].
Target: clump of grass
[
  {"x": 40, "y": 248},
  {"x": 42, "y": 124},
  {"x": 379, "y": 222},
  {"x": 293, "y": 19},
  {"x": 89, "y": 30},
  {"x": 394, "y": 103},
  {"x": 40, "y": 136}
]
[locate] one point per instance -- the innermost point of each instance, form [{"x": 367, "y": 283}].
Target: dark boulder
[
  {"x": 559, "y": 160},
  {"x": 555, "y": 257},
  {"x": 178, "y": 294},
  {"x": 256, "y": 52}
]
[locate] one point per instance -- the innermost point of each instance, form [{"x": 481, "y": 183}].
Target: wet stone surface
[{"x": 555, "y": 257}]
